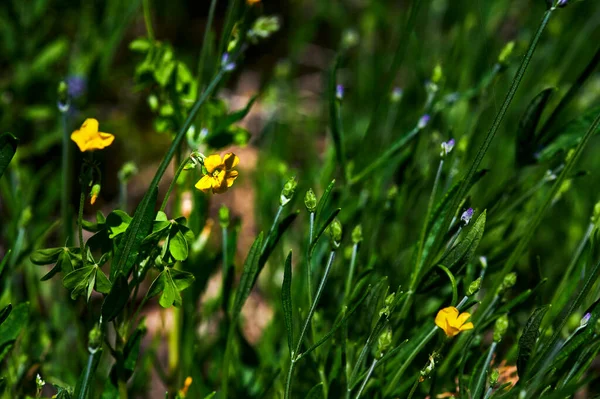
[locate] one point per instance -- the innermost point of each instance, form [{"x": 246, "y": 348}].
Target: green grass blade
[{"x": 286, "y": 299}]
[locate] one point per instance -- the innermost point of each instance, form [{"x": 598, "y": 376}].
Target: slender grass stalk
[
  {"x": 66, "y": 168},
  {"x": 204, "y": 49},
  {"x": 350, "y": 273},
  {"x": 295, "y": 354},
  {"x": 413, "y": 389},
  {"x": 148, "y": 20},
  {"x": 173, "y": 184},
  {"x": 309, "y": 258},
  {"x": 80, "y": 226},
  {"x": 272, "y": 229},
  {"x": 366, "y": 380},
  {"x": 481, "y": 378}
]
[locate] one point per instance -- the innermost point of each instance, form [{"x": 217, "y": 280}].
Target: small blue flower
[
  {"x": 77, "y": 85},
  {"x": 447, "y": 147},
  {"x": 466, "y": 216},
  {"x": 585, "y": 320},
  {"x": 339, "y": 92},
  {"x": 225, "y": 64},
  {"x": 424, "y": 121}
]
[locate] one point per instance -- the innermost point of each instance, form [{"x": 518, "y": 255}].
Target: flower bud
[
  {"x": 349, "y": 38},
  {"x": 474, "y": 287},
  {"x": 562, "y": 3},
  {"x": 384, "y": 342},
  {"x": 226, "y": 63},
  {"x": 224, "y": 216},
  {"x": 396, "y": 95},
  {"x": 357, "y": 236},
  {"x": 506, "y": 52},
  {"x": 39, "y": 383},
  {"x": 500, "y": 328},
  {"x": 95, "y": 338},
  {"x": 423, "y": 121},
  {"x": 339, "y": 92},
  {"x": 63, "y": 96},
  {"x": 447, "y": 147},
  {"x": 335, "y": 233},
  {"x": 310, "y": 201},
  {"x": 438, "y": 74},
  {"x": 128, "y": 170},
  {"x": 509, "y": 281},
  {"x": 466, "y": 216},
  {"x": 494, "y": 375},
  {"x": 288, "y": 191},
  {"x": 94, "y": 193}
]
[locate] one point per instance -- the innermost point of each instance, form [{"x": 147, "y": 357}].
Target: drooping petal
[
  {"x": 204, "y": 184},
  {"x": 462, "y": 318},
  {"x": 467, "y": 326},
  {"x": 230, "y": 160},
  {"x": 88, "y": 138},
  {"x": 211, "y": 162},
  {"x": 231, "y": 176}
]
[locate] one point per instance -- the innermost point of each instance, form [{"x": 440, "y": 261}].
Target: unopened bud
[
  {"x": 466, "y": 216},
  {"x": 423, "y": 121},
  {"x": 95, "y": 338},
  {"x": 335, "y": 233},
  {"x": 310, "y": 201},
  {"x": 438, "y": 74},
  {"x": 494, "y": 375},
  {"x": 474, "y": 287},
  {"x": 224, "y": 216},
  {"x": 349, "y": 38},
  {"x": 339, "y": 92},
  {"x": 288, "y": 191},
  {"x": 384, "y": 342},
  {"x": 500, "y": 328},
  {"x": 128, "y": 170},
  {"x": 506, "y": 52},
  {"x": 357, "y": 236},
  {"x": 94, "y": 193},
  {"x": 509, "y": 281}
]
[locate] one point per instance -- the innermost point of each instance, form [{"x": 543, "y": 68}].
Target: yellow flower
[
  {"x": 451, "y": 322},
  {"x": 220, "y": 174},
  {"x": 252, "y": 2},
  {"x": 88, "y": 138}
]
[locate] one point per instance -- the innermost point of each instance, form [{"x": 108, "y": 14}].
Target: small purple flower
[
  {"x": 467, "y": 215},
  {"x": 585, "y": 320},
  {"x": 339, "y": 92},
  {"x": 562, "y": 3},
  {"x": 423, "y": 121},
  {"x": 447, "y": 147},
  {"x": 227, "y": 66},
  {"x": 397, "y": 94},
  {"x": 77, "y": 85}
]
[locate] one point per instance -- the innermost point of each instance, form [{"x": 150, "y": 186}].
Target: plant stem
[
  {"x": 204, "y": 49},
  {"x": 173, "y": 184},
  {"x": 350, "y": 273},
  {"x": 273, "y": 226},
  {"x": 80, "y": 223},
  {"x": 67, "y": 224},
  {"x": 309, "y": 258},
  {"x": 313, "y": 307},
  {"x": 413, "y": 389},
  {"x": 369, "y": 373},
  {"x": 148, "y": 20}
]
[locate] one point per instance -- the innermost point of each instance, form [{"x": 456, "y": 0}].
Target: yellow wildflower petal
[
  {"x": 212, "y": 162},
  {"x": 93, "y": 199},
  {"x": 231, "y": 176},
  {"x": 230, "y": 160},
  {"x": 462, "y": 318},
  {"x": 90, "y": 125},
  {"x": 446, "y": 319},
  {"x": 219, "y": 183},
  {"x": 88, "y": 138},
  {"x": 467, "y": 326},
  {"x": 204, "y": 184}
]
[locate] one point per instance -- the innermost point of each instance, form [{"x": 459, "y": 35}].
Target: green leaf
[
  {"x": 5, "y": 312},
  {"x": 324, "y": 200},
  {"x": 464, "y": 250},
  {"x": 117, "y": 222},
  {"x": 82, "y": 390},
  {"x": 50, "y": 55},
  {"x": 103, "y": 284},
  {"x": 8, "y": 148},
  {"x": 286, "y": 299},
  {"x": 182, "y": 279},
  {"x": 528, "y": 339},
  {"x": 46, "y": 256},
  {"x": 571, "y": 134},
  {"x": 526, "y": 142},
  {"x": 178, "y": 246},
  {"x": 170, "y": 282},
  {"x": 12, "y": 326},
  {"x": 249, "y": 275},
  {"x": 63, "y": 264},
  {"x": 315, "y": 392},
  {"x": 275, "y": 236},
  {"x": 78, "y": 281},
  {"x": 116, "y": 299},
  {"x": 4, "y": 261},
  {"x": 140, "y": 226},
  {"x": 131, "y": 350},
  {"x": 140, "y": 45}
]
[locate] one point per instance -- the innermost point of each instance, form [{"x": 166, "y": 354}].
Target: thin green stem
[
  {"x": 309, "y": 258},
  {"x": 80, "y": 225},
  {"x": 366, "y": 380},
  {"x": 311, "y": 312},
  {"x": 273, "y": 226},
  {"x": 204, "y": 49},
  {"x": 350, "y": 273},
  {"x": 413, "y": 389},
  {"x": 173, "y": 184},
  {"x": 67, "y": 226},
  {"x": 148, "y": 20}
]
